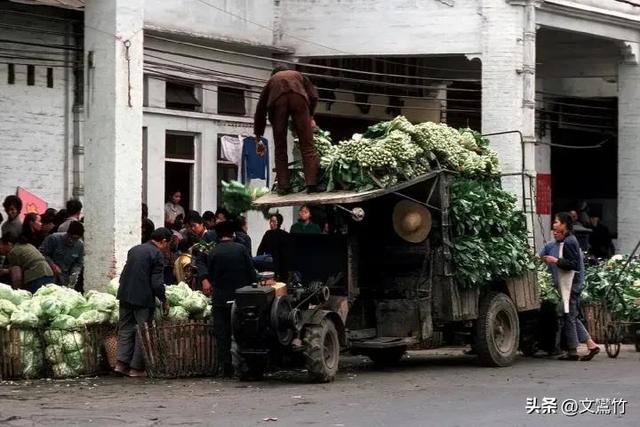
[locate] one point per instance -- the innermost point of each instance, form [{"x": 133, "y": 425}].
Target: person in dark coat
[
  {"x": 229, "y": 268},
  {"x": 289, "y": 94},
  {"x": 600, "y": 241},
  {"x": 273, "y": 249},
  {"x": 141, "y": 283}
]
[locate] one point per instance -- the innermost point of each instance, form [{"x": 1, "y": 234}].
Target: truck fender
[{"x": 316, "y": 317}]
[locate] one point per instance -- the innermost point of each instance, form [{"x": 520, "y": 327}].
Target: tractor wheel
[
  {"x": 386, "y": 356},
  {"x": 497, "y": 332},
  {"x": 247, "y": 368},
  {"x": 322, "y": 351}
]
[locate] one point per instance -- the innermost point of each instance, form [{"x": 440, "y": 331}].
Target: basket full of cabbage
[{"x": 56, "y": 331}]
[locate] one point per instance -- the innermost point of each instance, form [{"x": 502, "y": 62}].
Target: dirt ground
[{"x": 428, "y": 388}]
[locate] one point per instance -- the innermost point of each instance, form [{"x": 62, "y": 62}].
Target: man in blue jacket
[{"x": 141, "y": 283}]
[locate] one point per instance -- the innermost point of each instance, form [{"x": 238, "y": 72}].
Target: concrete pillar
[
  {"x": 508, "y": 89},
  {"x": 114, "y": 85},
  {"x": 628, "y": 149},
  {"x": 154, "y": 169}
]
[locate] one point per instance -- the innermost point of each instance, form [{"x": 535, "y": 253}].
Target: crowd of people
[{"x": 41, "y": 249}]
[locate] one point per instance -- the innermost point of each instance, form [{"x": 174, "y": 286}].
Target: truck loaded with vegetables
[{"x": 421, "y": 239}]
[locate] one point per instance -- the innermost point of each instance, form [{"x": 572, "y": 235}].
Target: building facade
[{"x": 553, "y": 82}]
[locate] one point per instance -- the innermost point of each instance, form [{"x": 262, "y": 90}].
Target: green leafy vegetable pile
[
  {"x": 185, "y": 303},
  {"x": 396, "y": 150},
  {"x": 606, "y": 275},
  {"x": 489, "y": 233},
  {"x": 237, "y": 197}
]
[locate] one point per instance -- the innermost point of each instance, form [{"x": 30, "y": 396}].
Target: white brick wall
[
  {"x": 33, "y": 119},
  {"x": 380, "y": 27}
]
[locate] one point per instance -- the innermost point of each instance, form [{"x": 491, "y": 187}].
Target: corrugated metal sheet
[{"x": 66, "y": 4}]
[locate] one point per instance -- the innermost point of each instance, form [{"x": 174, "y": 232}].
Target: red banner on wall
[
  {"x": 30, "y": 202},
  {"x": 543, "y": 193}
]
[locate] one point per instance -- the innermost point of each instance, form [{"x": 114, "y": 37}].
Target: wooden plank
[{"x": 336, "y": 197}]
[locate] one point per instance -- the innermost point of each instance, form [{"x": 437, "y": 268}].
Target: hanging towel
[
  {"x": 231, "y": 149},
  {"x": 565, "y": 282},
  {"x": 253, "y": 165}
]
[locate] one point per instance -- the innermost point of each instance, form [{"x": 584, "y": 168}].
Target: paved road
[{"x": 429, "y": 388}]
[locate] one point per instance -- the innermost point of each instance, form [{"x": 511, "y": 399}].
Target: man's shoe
[
  {"x": 121, "y": 369},
  {"x": 137, "y": 373}
]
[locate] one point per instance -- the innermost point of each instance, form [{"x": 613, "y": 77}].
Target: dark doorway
[{"x": 179, "y": 176}]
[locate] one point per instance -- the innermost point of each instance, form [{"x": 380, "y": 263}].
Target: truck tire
[
  {"x": 322, "y": 351},
  {"x": 247, "y": 368},
  {"x": 386, "y": 356},
  {"x": 497, "y": 330}
]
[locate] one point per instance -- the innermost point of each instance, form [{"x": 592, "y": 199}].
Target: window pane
[
  {"x": 179, "y": 147},
  {"x": 181, "y": 97},
  {"x": 231, "y": 101}
]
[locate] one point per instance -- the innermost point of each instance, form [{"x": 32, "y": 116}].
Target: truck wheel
[
  {"x": 386, "y": 356},
  {"x": 497, "y": 330},
  {"x": 322, "y": 351},
  {"x": 247, "y": 368}
]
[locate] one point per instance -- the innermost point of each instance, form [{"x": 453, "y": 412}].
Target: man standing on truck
[{"x": 289, "y": 94}]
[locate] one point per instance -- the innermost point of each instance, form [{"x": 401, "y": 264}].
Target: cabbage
[
  {"x": 51, "y": 306},
  {"x": 29, "y": 339},
  {"x": 4, "y": 320},
  {"x": 62, "y": 370},
  {"x": 79, "y": 309},
  {"x": 75, "y": 360},
  {"x": 24, "y": 319},
  {"x": 72, "y": 341},
  {"x": 64, "y": 321},
  {"x": 31, "y": 364},
  {"x": 22, "y": 295},
  {"x": 47, "y": 290},
  {"x": 178, "y": 314},
  {"x": 176, "y": 294},
  {"x": 93, "y": 317},
  {"x": 7, "y": 293},
  {"x": 195, "y": 303},
  {"x": 54, "y": 354},
  {"x": 7, "y": 307},
  {"x": 53, "y": 336},
  {"x": 112, "y": 287},
  {"x": 31, "y": 354},
  {"x": 114, "y": 317},
  {"x": 101, "y": 301},
  {"x": 207, "y": 313},
  {"x": 32, "y": 306}
]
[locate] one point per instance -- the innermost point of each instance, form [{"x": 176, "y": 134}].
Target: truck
[{"x": 374, "y": 288}]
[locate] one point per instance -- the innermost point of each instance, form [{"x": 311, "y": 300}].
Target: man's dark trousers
[
  {"x": 222, "y": 332},
  {"x": 294, "y": 106},
  {"x": 130, "y": 350}
]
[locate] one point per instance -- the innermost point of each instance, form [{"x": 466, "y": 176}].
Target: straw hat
[{"x": 411, "y": 221}]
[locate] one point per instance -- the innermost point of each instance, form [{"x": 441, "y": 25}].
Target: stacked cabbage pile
[
  {"x": 394, "y": 151},
  {"x": 185, "y": 303},
  {"x": 62, "y": 314}
]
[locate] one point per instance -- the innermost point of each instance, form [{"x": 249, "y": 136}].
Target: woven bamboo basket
[{"x": 184, "y": 349}]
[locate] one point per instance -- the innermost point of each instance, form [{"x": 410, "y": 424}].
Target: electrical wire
[
  {"x": 37, "y": 30},
  {"x": 262, "y": 81},
  {"x": 333, "y": 101},
  {"x": 321, "y": 76},
  {"x": 51, "y": 46},
  {"x": 299, "y": 64}
]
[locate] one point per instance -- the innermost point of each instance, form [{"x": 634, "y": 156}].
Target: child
[{"x": 182, "y": 266}]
